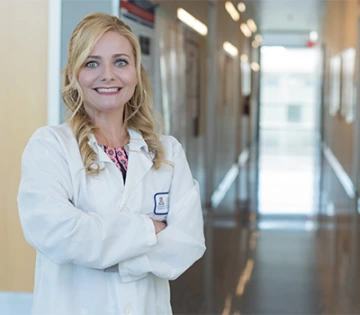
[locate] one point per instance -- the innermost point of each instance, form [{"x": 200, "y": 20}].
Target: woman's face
[{"x": 108, "y": 77}]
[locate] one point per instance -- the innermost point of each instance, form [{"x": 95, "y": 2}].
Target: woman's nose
[{"x": 108, "y": 74}]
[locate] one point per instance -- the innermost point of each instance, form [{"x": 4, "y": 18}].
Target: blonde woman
[{"x": 109, "y": 205}]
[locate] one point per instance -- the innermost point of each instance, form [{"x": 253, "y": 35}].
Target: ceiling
[
  {"x": 286, "y": 22},
  {"x": 287, "y": 15}
]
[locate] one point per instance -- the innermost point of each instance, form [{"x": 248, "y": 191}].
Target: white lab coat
[{"x": 81, "y": 226}]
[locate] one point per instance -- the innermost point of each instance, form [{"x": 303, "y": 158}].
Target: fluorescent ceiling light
[
  {"x": 255, "y": 44},
  {"x": 244, "y": 58},
  {"x": 258, "y": 38},
  {"x": 230, "y": 49},
  {"x": 191, "y": 21},
  {"x": 252, "y": 25},
  {"x": 241, "y": 7},
  {"x": 255, "y": 66},
  {"x": 245, "y": 29},
  {"x": 232, "y": 11}
]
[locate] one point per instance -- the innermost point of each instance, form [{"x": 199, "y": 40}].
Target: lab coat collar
[
  {"x": 136, "y": 143},
  {"x": 142, "y": 162}
]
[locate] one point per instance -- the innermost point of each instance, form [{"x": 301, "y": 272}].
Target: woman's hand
[{"x": 159, "y": 226}]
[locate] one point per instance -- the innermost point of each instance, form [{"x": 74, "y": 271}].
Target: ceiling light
[
  {"x": 252, "y": 25},
  {"x": 241, "y": 7},
  {"x": 255, "y": 66},
  {"x": 244, "y": 58},
  {"x": 230, "y": 49},
  {"x": 258, "y": 38},
  {"x": 245, "y": 29},
  {"x": 232, "y": 11},
  {"x": 191, "y": 21},
  {"x": 255, "y": 44}
]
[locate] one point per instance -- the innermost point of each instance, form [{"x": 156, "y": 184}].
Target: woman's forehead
[{"x": 112, "y": 43}]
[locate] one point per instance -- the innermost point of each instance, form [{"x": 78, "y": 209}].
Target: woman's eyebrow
[{"x": 114, "y": 56}]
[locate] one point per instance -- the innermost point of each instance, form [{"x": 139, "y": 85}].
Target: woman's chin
[{"x": 111, "y": 108}]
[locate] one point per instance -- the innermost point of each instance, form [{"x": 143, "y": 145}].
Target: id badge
[{"x": 161, "y": 204}]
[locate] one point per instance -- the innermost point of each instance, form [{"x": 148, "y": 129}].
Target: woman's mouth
[{"x": 107, "y": 91}]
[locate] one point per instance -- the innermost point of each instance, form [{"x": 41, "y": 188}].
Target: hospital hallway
[
  {"x": 261, "y": 259},
  {"x": 264, "y": 98}
]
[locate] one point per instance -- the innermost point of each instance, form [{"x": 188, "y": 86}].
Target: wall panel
[
  {"x": 340, "y": 31},
  {"x": 23, "y": 52}
]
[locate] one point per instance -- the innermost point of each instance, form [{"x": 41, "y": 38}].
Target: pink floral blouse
[{"x": 119, "y": 157}]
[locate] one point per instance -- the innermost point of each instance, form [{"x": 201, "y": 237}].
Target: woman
[{"x": 110, "y": 206}]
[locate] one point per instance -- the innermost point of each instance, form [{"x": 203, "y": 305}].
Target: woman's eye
[
  {"x": 121, "y": 62},
  {"x": 91, "y": 64}
]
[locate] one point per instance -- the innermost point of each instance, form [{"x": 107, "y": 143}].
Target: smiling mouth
[{"x": 107, "y": 90}]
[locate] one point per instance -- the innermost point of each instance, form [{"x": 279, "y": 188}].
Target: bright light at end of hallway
[
  {"x": 232, "y": 11},
  {"x": 252, "y": 25},
  {"x": 245, "y": 29},
  {"x": 241, "y": 7},
  {"x": 191, "y": 21},
  {"x": 273, "y": 50},
  {"x": 244, "y": 58},
  {"x": 313, "y": 36},
  {"x": 230, "y": 49},
  {"x": 255, "y": 66}
]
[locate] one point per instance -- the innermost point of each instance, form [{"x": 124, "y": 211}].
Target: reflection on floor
[{"x": 247, "y": 270}]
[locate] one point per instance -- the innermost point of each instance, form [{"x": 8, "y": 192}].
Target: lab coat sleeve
[
  {"x": 62, "y": 232},
  {"x": 182, "y": 242}
]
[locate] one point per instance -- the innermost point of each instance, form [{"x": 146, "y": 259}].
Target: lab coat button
[
  {"x": 125, "y": 208},
  {"x": 128, "y": 311}
]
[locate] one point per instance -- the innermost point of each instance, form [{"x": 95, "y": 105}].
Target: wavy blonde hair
[{"x": 138, "y": 112}]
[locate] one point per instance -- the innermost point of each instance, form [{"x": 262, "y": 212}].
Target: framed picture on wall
[
  {"x": 245, "y": 78},
  {"x": 334, "y": 84},
  {"x": 192, "y": 53},
  {"x": 348, "y": 84}
]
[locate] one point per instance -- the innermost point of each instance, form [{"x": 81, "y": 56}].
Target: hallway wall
[
  {"x": 340, "y": 33},
  {"x": 229, "y": 98},
  {"x": 23, "y": 53}
]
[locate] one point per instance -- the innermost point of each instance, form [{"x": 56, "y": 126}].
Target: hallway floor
[{"x": 260, "y": 271}]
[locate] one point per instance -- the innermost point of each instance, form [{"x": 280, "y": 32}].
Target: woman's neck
[
  {"x": 110, "y": 130},
  {"x": 111, "y": 137}
]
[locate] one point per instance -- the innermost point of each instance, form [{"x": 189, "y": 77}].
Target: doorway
[{"x": 289, "y": 138}]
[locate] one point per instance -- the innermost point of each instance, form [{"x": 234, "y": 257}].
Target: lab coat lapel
[
  {"x": 102, "y": 157},
  {"x": 140, "y": 163}
]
